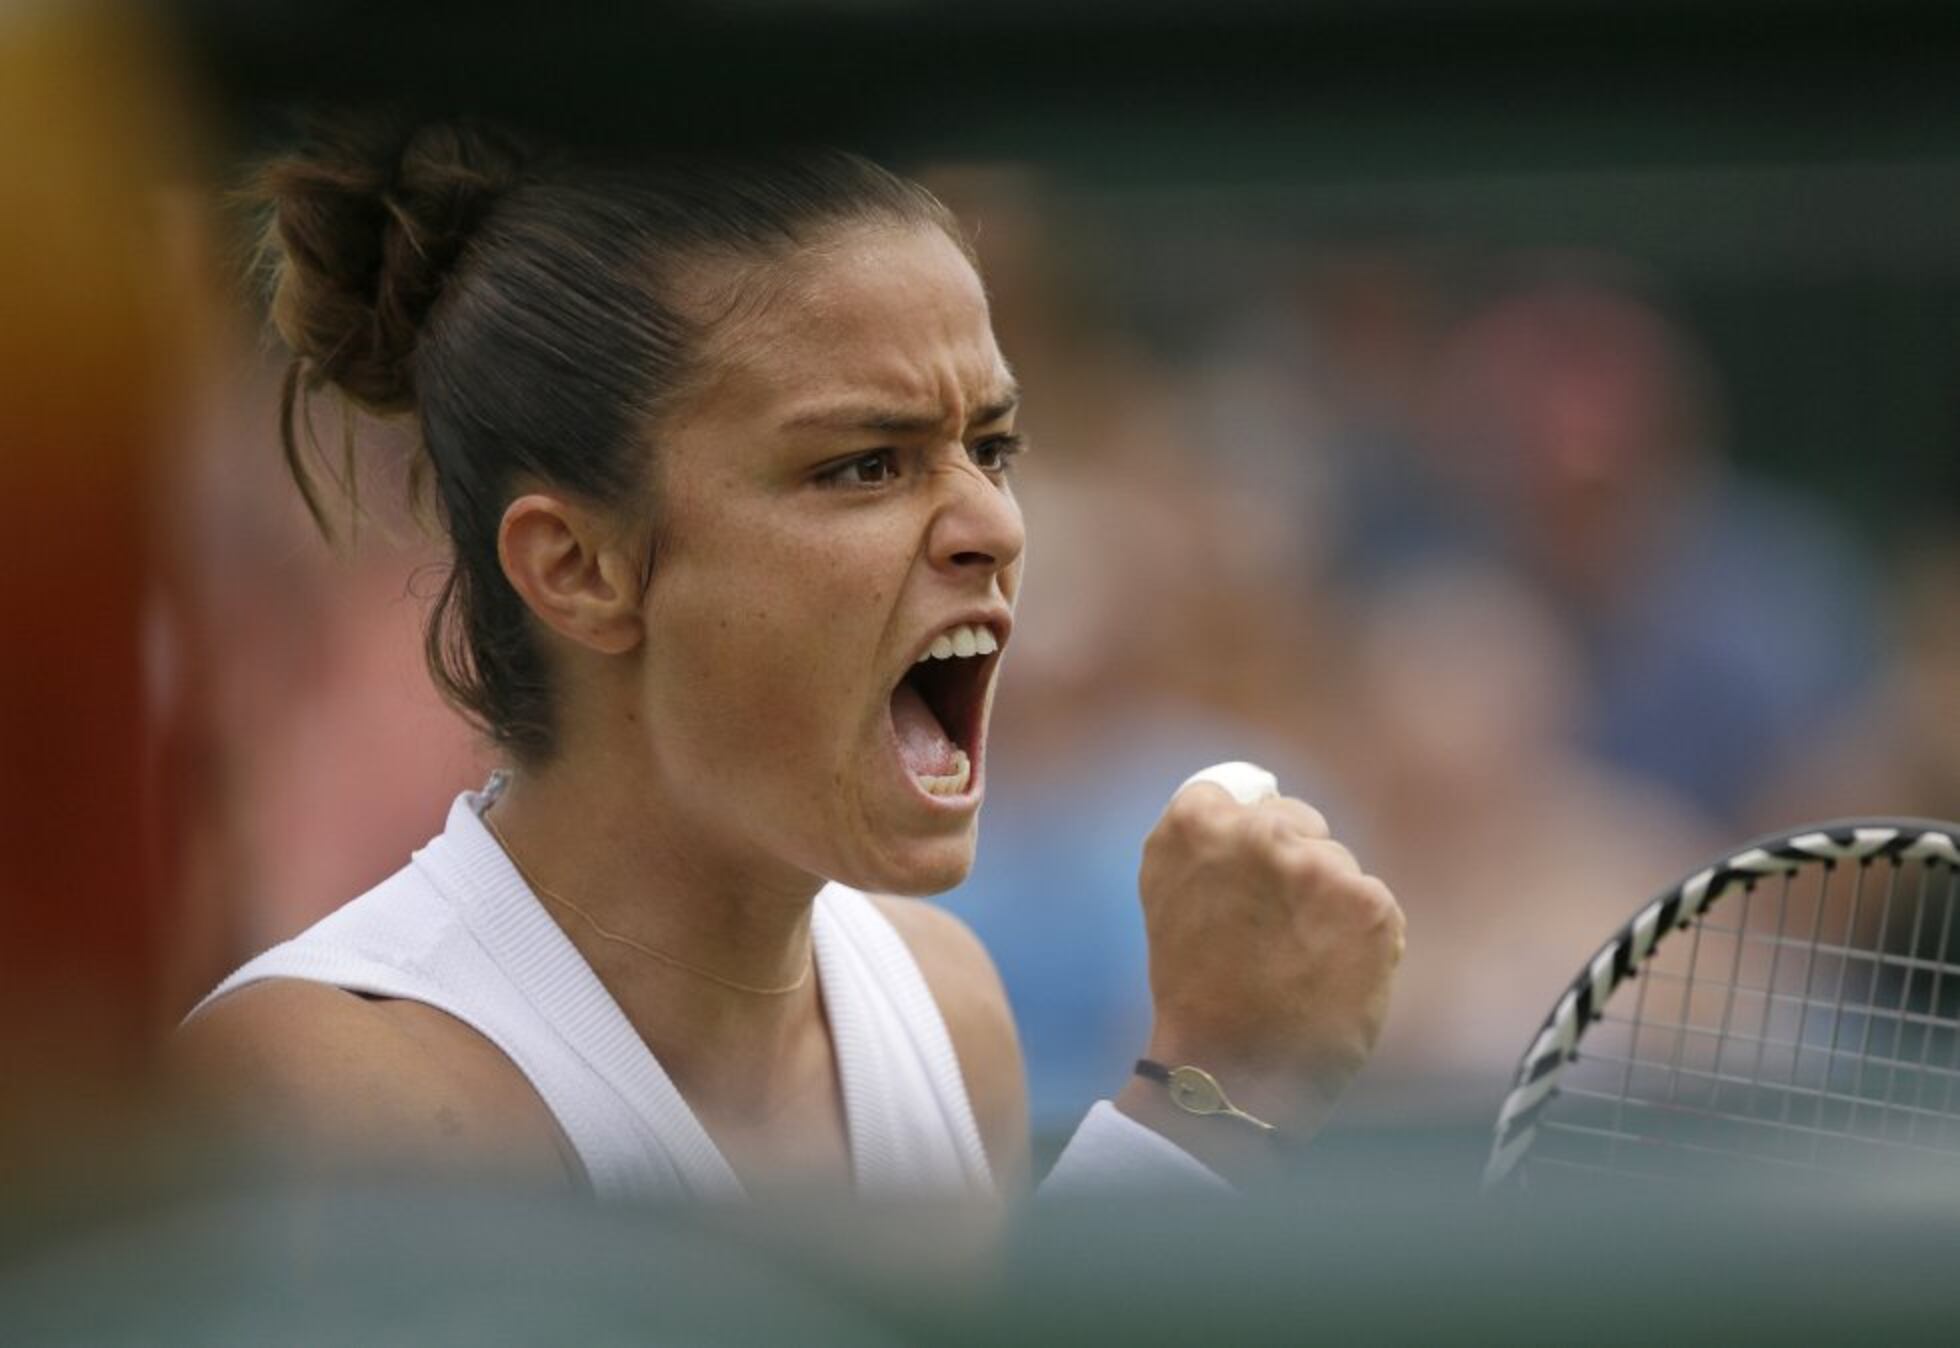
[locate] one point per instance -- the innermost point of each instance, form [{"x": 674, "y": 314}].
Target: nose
[{"x": 977, "y": 526}]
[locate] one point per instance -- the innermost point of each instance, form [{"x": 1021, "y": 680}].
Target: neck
[{"x": 606, "y": 854}]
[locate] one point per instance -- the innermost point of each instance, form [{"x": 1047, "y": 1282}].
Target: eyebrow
[{"x": 890, "y": 421}]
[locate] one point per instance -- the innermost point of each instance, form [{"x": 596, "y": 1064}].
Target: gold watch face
[{"x": 1194, "y": 1090}]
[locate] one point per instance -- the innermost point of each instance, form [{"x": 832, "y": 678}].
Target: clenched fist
[{"x": 1271, "y": 957}]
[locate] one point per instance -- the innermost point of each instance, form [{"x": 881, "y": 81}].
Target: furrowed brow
[
  {"x": 877, "y": 420},
  {"x": 999, "y": 408},
  {"x": 893, "y": 421}
]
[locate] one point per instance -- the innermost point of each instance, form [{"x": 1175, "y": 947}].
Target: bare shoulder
[
  {"x": 330, "y": 1077},
  {"x": 963, "y": 981},
  {"x": 959, "y": 972}
]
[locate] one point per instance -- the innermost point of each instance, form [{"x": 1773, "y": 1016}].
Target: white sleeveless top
[{"x": 458, "y": 929}]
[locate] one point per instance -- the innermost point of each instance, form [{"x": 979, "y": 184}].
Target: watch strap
[{"x": 1196, "y": 1091}]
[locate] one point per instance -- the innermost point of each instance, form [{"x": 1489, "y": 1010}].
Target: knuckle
[
  {"x": 1277, "y": 834},
  {"x": 1378, "y": 893},
  {"x": 1381, "y": 900},
  {"x": 1192, "y": 814},
  {"x": 1173, "y": 835},
  {"x": 1305, "y": 866},
  {"x": 1320, "y": 863},
  {"x": 1308, "y": 818}
]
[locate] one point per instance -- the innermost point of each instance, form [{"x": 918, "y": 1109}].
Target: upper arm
[
  {"x": 964, "y": 983},
  {"x": 328, "y": 1078}
]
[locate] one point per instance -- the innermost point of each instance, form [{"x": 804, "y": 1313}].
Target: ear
[{"x": 572, "y": 571}]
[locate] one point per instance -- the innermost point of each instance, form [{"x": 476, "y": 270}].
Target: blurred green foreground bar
[{"x": 1389, "y": 1242}]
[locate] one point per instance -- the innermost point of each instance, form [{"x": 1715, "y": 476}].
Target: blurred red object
[{"x": 89, "y": 343}]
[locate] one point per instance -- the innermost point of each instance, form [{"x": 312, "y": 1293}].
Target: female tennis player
[{"x": 723, "y": 451}]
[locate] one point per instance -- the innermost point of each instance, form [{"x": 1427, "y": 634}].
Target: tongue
[{"x": 922, "y": 742}]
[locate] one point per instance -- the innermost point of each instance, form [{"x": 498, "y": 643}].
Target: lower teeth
[{"x": 952, "y": 783}]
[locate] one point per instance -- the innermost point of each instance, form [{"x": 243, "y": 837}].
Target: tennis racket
[{"x": 1793, "y": 1007}]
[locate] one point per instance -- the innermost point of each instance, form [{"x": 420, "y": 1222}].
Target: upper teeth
[{"x": 964, "y": 640}]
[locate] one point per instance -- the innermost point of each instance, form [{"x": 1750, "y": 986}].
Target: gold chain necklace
[{"x": 617, "y": 939}]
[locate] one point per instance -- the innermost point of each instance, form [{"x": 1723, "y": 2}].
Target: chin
[{"x": 918, "y": 868}]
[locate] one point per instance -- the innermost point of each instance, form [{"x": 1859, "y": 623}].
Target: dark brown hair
[{"x": 524, "y": 308}]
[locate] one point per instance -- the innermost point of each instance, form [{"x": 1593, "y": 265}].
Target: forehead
[{"x": 891, "y": 315}]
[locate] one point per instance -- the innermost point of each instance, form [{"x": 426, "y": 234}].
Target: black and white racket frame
[{"x": 1859, "y": 841}]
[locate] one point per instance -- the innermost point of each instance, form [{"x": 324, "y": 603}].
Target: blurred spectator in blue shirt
[{"x": 1720, "y": 617}]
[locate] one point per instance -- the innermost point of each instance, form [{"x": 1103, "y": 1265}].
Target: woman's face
[{"x": 833, "y": 505}]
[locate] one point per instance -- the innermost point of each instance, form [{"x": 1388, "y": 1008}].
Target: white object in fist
[{"x": 1248, "y": 783}]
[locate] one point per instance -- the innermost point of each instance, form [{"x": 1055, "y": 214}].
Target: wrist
[
  {"x": 1261, "y": 1142},
  {"x": 1196, "y": 1091},
  {"x": 1291, "y": 1096}
]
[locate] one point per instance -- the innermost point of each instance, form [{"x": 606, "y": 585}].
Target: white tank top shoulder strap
[
  {"x": 459, "y": 930},
  {"x": 911, "y": 1121}
]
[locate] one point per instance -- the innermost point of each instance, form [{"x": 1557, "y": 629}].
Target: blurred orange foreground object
[{"x": 87, "y": 410}]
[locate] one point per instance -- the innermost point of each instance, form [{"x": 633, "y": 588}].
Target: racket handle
[{"x": 1247, "y": 783}]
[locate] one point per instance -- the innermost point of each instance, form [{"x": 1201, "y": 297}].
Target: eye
[
  {"x": 995, "y": 453},
  {"x": 866, "y": 470}
]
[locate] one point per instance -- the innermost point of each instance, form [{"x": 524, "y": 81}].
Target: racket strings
[{"x": 1810, "y": 1021}]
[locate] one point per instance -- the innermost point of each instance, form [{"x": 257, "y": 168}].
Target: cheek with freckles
[{"x": 771, "y": 666}]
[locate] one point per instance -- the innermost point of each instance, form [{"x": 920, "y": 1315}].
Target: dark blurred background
[{"x": 1531, "y": 429}]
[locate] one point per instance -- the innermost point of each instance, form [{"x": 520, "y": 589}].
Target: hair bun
[{"x": 367, "y": 223}]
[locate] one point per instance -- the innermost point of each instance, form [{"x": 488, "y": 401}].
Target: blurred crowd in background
[
  {"x": 1451, "y": 537},
  {"x": 1471, "y": 535}
]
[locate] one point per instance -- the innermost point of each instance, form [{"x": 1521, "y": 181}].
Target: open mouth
[{"x": 937, "y": 709}]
